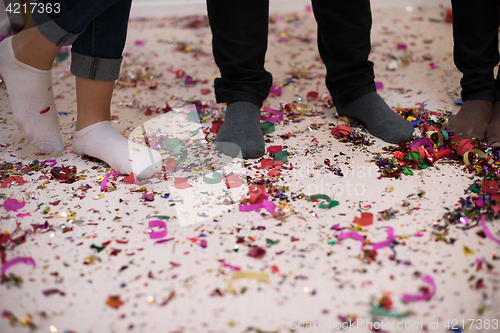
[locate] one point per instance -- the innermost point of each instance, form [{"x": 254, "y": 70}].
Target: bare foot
[
  {"x": 472, "y": 119},
  {"x": 493, "y": 132}
]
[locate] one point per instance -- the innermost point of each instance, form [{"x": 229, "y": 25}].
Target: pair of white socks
[{"x": 32, "y": 100}]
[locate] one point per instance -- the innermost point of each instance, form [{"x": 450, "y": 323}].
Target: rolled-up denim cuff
[
  {"x": 52, "y": 31},
  {"x": 95, "y": 68}
]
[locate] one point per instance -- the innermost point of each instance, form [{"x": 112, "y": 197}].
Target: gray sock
[
  {"x": 241, "y": 131},
  {"x": 380, "y": 120}
]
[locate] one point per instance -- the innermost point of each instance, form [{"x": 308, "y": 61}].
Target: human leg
[
  {"x": 240, "y": 30},
  {"x": 475, "y": 35},
  {"x": 344, "y": 45}
]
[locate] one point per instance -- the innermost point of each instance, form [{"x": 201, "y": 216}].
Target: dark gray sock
[
  {"x": 380, "y": 120},
  {"x": 241, "y": 131}
]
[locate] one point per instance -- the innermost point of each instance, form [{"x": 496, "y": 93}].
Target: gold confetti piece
[
  {"x": 468, "y": 251},
  {"x": 246, "y": 275}
]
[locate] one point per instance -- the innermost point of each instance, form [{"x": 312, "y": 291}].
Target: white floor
[{"x": 180, "y": 286}]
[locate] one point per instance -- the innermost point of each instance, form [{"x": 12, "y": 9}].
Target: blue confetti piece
[{"x": 459, "y": 101}]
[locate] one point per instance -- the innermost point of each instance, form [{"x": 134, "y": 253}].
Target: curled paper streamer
[
  {"x": 464, "y": 146},
  {"x": 423, "y": 297},
  {"x": 390, "y": 239},
  {"x": 13, "y": 204},
  {"x": 51, "y": 161},
  {"x": 341, "y": 130},
  {"x": 269, "y": 205},
  {"x": 157, "y": 234},
  {"x": 215, "y": 179},
  {"x": 233, "y": 181},
  {"x": 324, "y": 205},
  {"x": 487, "y": 231},
  {"x": 267, "y": 127},
  {"x": 479, "y": 153},
  {"x": 276, "y": 169},
  {"x": 377, "y": 311},
  {"x": 365, "y": 219},
  {"x": 15, "y": 261},
  {"x": 267, "y": 163},
  {"x": 246, "y": 275},
  {"x": 104, "y": 182},
  {"x": 439, "y": 135},
  {"x": 176, "y": 146},
  {"x": 281, "y": 156},
  {"x": 424, "y": 142},
  {"x": 442, "y": 153},
  {"x": 276, "y": 119},
  {"x": 274, "y": 149},
  {"x": 354, "y": 235}
]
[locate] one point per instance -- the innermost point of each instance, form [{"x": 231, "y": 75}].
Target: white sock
[
  {"x": 102, "y": 141},
  {"x": 32, "y": 100}
]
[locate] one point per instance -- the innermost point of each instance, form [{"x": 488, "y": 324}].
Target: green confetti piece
[
  {"x": 46, "y": 210},
  {"x": 97, "y": 248},
  {"x": 407, "y": 172},
  {"x": 161, "y": 217},
  {"x": 281, "y": 156},
  {"x": 271, "y": 242},
  {"x": 324, "y": 205},
  {"x": 375, "y": 310},
  {"x": 267, "y": 127},
  {"x": 216, "y": 178},
  {"x": 332, "y": 243}
]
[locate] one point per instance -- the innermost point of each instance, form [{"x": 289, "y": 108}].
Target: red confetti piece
[
  {"x": 114, "y": 302},
  {"x": 12, "y": 179},
  {"x": 45, "y": 111},
  {"x": 365, "y": 219},
  {"x": 257, "y": 252},
  {"x": 205, "y": 91}
]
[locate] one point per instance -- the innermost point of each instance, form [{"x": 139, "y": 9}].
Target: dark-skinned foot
[
  {"x": 493, "y": 131},
  {"x": 472, "y": 119}
]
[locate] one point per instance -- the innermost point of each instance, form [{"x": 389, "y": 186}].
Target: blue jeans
[
  {"x": 97, "y": 31},
  {"x": 240, "y": 33}
]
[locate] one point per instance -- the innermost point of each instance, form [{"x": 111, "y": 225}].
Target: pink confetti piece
[
  {"x": 158, "y": 234},
  {"x": 278, "y": 118},
  {"x": 104, "y": 183},
  {"x": 13, "y": 204},
  {"x": 155, "y": 144},
  {"x": 181, "y": 183},
  {"x": 164, "y": 240},
  {"x": 354, "y": 235},
  {"x": 433, "y": 66},
  {"x": 423, "y": 297},
  {"x": 51, "y": 162},
  {"x": 419, "y": 234},
  {"x": 8, "y": 264},
  {"x": 390, "y": 239},
  {"x": 139, "y": 42},
  {"x": 231, "y": 267},
  {"x": 23, "y": 215},
  {"x": 275, "y": 90},
  {"x": 49, "y": 292},
  {"x": 379, "y": 85},
  {"x": 402, "y": 46},
  {"x": 487, "y": 231},
  {"x": 269, "y": 205}
]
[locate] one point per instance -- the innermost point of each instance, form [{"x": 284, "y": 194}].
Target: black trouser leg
[
  {"x": 344, "y": 45},
  {"x": 475, "y": 34},
  {"x": 240, "y": 29}
]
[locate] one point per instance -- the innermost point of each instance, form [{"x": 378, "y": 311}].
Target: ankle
[{"x": 32, "y": 51}]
